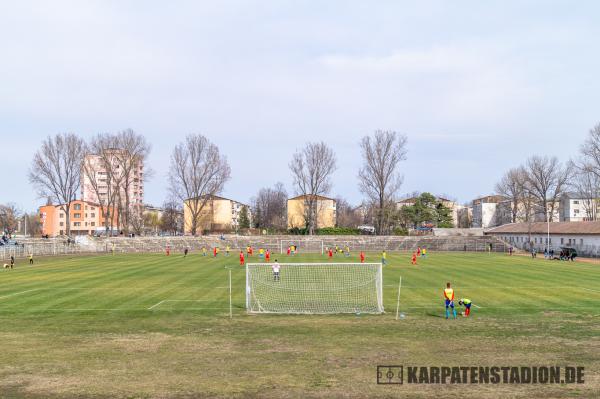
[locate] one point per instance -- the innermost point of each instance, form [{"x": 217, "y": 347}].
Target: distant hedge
[
  {"x": 327, "y": 231},
  {"x": 338, "y": 231}
]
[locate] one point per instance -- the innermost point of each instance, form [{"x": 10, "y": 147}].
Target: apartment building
[
  {"x": 86, "y": 218},
  {"x": 325, "y": 209},
  {"x": 97, "y": 184},
  {"x": 219, "y": 214}
]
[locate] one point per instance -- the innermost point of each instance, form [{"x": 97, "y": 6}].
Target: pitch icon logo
[{"x": 390, "y": 375}]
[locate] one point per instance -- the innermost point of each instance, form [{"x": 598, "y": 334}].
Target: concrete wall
[{"x": 472, "y": 232}]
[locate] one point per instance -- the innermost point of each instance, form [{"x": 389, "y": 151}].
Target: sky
[{"x": 477, "y": 87}]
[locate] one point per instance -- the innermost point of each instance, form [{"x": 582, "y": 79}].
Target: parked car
[
  {"x": 365, "y": 229},
  {"x": 566, "y": 253}
]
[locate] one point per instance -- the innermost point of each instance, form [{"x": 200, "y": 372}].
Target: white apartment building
[
  {"x": 487, "y": 213},
  {"x": 576, "y": 207},
  {"x": 95, "y": 183}
]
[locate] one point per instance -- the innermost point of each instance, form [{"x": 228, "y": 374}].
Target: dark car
[{"x": 566, "y": 253}]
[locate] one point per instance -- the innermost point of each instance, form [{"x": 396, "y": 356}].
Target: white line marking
[
  {"x": 589, "y": 289},
  {"x": 18, "y": 293},
  {"x": 155, "y": 305},
  {"x": 541, "y": 307},
  {"x": 181, "y": 300},
  {"x": 477, "y": 306},
  {"x": 189, "y": 300},
  {"x": 508, "y": 287}
]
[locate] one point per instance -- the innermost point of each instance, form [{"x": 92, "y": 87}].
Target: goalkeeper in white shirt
[{"x": 276, "y": 267}]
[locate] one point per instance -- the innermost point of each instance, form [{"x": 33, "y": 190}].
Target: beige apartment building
[
  {"x": 219, "y": 214},
  {"x": 297, "y": 207}
]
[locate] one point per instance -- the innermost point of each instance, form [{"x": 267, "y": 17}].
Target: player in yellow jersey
[{"x": 449, "y": 298}]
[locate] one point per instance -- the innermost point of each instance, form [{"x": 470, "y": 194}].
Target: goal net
[{"x": 314, "y": 288}]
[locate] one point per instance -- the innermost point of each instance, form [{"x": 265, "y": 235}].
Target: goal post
[
  {"x": 314, "y": 288},
  {"x": 303, "y": 245}
]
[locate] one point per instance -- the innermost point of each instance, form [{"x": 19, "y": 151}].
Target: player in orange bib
[
  {"x": 449, "y": 298},
  {"x": 414, "y": 259},
  {"x": 241, "y": 258}
]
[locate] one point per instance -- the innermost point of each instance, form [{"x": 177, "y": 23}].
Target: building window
[
  {"x": 92, "y": 223},
  {"x": 77, "y": 224},
  {"x": 86, "y": 215},
  {"x": 77, "y": 207},
  {"x": 62, "y": 215},
  {"x": 562, "y": 241},
  {"x": 576, "y": 202},
  {"x": 93, "y": 215},
  {"x": 60, "y": 224},
  {"x": 576, "y": 211},
  {"x": 77, "y": 215}
]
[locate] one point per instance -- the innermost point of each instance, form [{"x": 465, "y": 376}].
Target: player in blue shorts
[{"x": 449, "y": 297}]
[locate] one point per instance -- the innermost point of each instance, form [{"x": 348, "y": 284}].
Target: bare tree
[
  {"x": 31, "y": 224},
  {"x": 546, "y": 180},
  {"x": 56, "y": 170},
  {"x": 512, "y": 186},
  {"x": 9, "y": 215},
  {"x": 171, "y": 220},
  {"x": 379, "y": 177},
  {"x": 311, "y": 169},
  {"x": 101, "y": 175},
  {"x": 587, "y": 168},
  {"x": 587, "y": 185},
  {"x": 346, "y": 214},
  {"x": 198, "y": 172},
  {"x": 269, "y": 207},
  {"x": 133, "y": 150},
  {"x": 590, "y": 152}
]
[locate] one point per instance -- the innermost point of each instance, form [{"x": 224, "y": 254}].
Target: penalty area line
[
  {"x": 181, "y": 300},
  {"x": 18, "y": 293},
  {"x": 155, "y": 305}
]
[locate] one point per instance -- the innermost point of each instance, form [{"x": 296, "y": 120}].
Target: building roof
[
  {"x": 542, "y": 228},
  {"x": 75, "y": 200},
  {"x": 319, "y": 197},
  {"x": 576, "y": 196},
  {"x": 490, "y": 199},
  {"x": 216, "y": 197}
]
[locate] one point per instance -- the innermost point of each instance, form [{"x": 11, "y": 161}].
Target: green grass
[{"x": 152, "y": 326}]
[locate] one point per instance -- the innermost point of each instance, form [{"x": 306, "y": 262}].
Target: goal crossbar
[{"x": 314, "y": 288}]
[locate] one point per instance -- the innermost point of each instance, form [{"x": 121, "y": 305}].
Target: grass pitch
[{"x": 156, "y": 326}]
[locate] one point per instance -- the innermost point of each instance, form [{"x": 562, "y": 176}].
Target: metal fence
[{"x": 275, "y": 244}]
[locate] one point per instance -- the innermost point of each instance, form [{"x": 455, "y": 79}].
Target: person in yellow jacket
[
  {"x": 449, "y": 299},
  {"x": 467, "y": 304}
]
